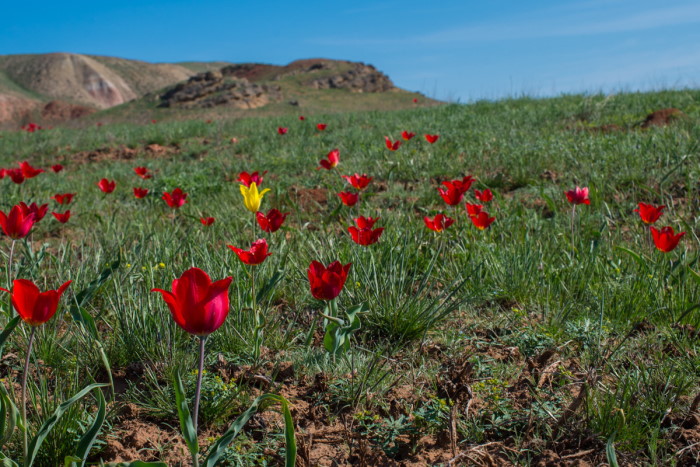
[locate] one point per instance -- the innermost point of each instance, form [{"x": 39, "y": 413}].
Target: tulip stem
[
  {"x": 573, "y": 216},
  {"x": 197, "y": 394},
  {"x": 9, "y": 264},
  {"x": 24, "y": 389}
]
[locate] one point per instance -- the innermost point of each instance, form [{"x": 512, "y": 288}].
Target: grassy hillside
[{"x": 538, "y": 341}]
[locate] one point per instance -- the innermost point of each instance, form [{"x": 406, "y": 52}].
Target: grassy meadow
[{"x": 528, "y": 343}]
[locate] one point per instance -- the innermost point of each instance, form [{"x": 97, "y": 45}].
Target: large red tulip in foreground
[
  {"x": 33, "y": 306},
  {"x": 482, "y": 220},
  {"x": 198, "y": 305},
  {"x": 38, "y": 211},
  {"x": 327, "y": 282},
  {"x": 665, "y": 239}
]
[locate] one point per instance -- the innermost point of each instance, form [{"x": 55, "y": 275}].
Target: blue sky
[{"x": 447, "y": 49}]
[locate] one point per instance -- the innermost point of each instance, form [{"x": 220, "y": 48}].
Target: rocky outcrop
[
  {"x": 60, "y": 111},
  {"x": 360, "y": 78},
  {"x": 215, "y": 88}
]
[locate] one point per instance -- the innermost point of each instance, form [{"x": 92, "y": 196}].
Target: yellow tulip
[{"x": 251, "y": 196}]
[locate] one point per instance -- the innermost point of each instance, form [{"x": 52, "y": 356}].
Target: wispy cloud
[{"x": 587, "y": 19}]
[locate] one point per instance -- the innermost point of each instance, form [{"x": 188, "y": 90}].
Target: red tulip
[
  {"x": 143, "y": 172},
  {"x": 392, "y": 146},
  {"x": 198, "y": 305},
  {"x": 106, "y": 185},
  {"x": 327, "y": 283},
  {"x": 272, "y": 221},
  {"x": 649, "y": 213},
  {"x": 256, "y": 254},
  {"x": 282, "y": 130},
  {"x": 65, "y": 198},
  {"x": 578, "y": 196},
  {"x": 33, "y": 306},
  {"x": 365, "y": 222},
  {"x": 363, "y": 234},
  {"x": 431, "y": 138},
  {"x": 462, "y": 185},
  {"x": 62, "y": 218},
  {"x": 28, "y": 171},
  {"x": 140, "y": 193},
  {"x": 154, "y": 121},
  {"x": 18, "y": 222},
  {"x": 206, "y": 221},
  {"x": 38, "y": 211},
  {"x": 359, "y": 182},
  {"x": 175, "y": 199},
  {"x": 665, "y": 239},
  {"x": 348, "y": 199},
  {"x": 439, "y": 223},
  {"x": 473, "y": 209},
  {"x": 15, "y": 175},
  {"x": 332, "y": 159},
  {"x": 483, "y": 196},
  {"x": 407, "y": 135},
  {"x": 452, "y": 195},
  {"x": 31, "y": 127},
  {"x": 482, "y": 220},
  {"x": 302, "y": 118},
  {"x": 321, "y": 126},
  {"x": 56, "y": 168},
  {"x": 415, "y": 100},
  {"x": 246, "y": 179}
]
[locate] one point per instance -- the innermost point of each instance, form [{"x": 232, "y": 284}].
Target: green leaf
[
  {"x": 219, "y": 447},
  {"x": 635, "y": 256},
  {"x": 610, "y": 451},
  {"x": 186, "y": 424},
  {"x": 84, "y": 296},
  {"x": 9, "y": 415},
  {"x": 45, "y": 429},
  {"x": 7, "y": 331},
  {"x": 88, "y": 439},
  {"x": 693, "y": 274},
  {"x": 6, "y": 461},
  {"x": 269, "y": 286},
  {"x": 339, "y": 332}
]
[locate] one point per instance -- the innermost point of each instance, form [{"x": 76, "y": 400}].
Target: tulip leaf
[
  {"x": 7, "y": 462},
  {"x": 88, "y": 439},
  {"x": 7, "y": 331},
  {"x": 693, "y": 274},
  {"x": 183, "y": 411},
  {"x": 635, "y": 256},
  {"x": 338, "y": 331},
  {"x": 85, "y": 295},
  {"x": 45, "y": 429},
  {"x": 219, "y": 447},
  {"x": 9, "y": 415},
  {"x": 269, "y": 286}
]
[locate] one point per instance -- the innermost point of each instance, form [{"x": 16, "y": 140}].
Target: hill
[{"x": 56, "y": 87}]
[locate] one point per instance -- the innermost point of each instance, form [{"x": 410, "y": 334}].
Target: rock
[
  {"x": 215, "y": 88},
  {"x": 360, "y": 78}
]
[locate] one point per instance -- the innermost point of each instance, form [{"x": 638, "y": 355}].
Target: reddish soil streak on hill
[{"x": 663, "y": 117}]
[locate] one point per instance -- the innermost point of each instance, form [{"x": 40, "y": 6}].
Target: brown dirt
[
  {"x": 663, "y": 117},
  {"x": 310, "y": 199},
  {"x": 122, "y": 153},
  {"x": 61, "y": 111}
]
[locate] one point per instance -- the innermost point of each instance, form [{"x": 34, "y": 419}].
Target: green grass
[{"x": 497, "y": 299}]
